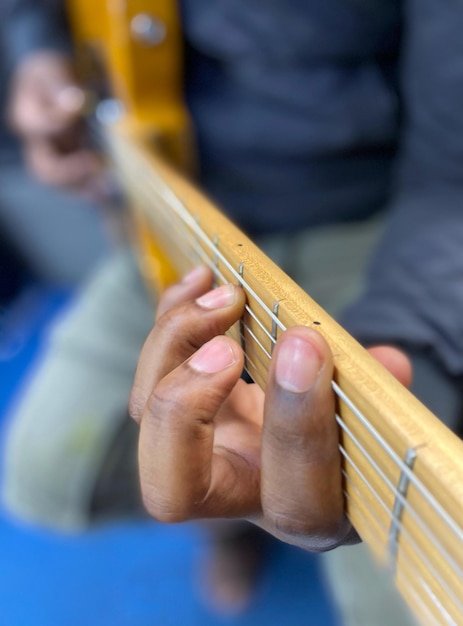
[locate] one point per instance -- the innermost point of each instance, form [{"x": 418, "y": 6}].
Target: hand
[
  {"x": 45, "y": 108},
  {"x": 213, "y": 446}
]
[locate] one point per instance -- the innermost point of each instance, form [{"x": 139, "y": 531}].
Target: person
[
  {"x": 43, "y": 227},
  {"x": 342, "y": 112}
]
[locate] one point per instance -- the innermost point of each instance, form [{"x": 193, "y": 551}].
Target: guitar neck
[{"x": 402, "y": 467}]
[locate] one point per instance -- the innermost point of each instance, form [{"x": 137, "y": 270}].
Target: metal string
[
  {"x": 404, "y": 532},
  {"x": 416, "y": 578}
]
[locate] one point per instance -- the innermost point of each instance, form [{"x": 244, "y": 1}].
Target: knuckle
[
  {"x": 315, "y": 533},
  {"x": 171, "y": 321},
  {"x": 168, "y": 407},
  {"x": 285, "y": 436},
  {"x": 136, "y": 404},
  {"x": 301, "y": 432},
  {"x": 164, "y": 510},
  {"x": 162, "y": 402}
]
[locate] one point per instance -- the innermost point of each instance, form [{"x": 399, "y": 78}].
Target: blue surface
[
  {"x": 138, "y": 575},
  {"x": 22, "y": 324},
  {"x": 124, "y": 574}
]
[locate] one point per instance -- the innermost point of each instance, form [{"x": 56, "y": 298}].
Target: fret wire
[
  {"x": 247, "y": 308},
  {"x": 359, "y": 415},
  {"x": 413, "y": 569},
  {"x": 399, "y": 462},
  {"x": 395, "y": 492},
  {"x": 252, "y": 334},
  {"x": 398, "y": 508},
  {"x": 404, "y": 531},
  {"x": 405, "y": 558},
  {"x": 425, "y": 529},
  {"x": 171, "y": 200},
  {"x": 214, "y": 269},
  {"x": 423, "y": 492},
  {"x": 430, "y": 535},
  {"x": 175, "y": 203}
]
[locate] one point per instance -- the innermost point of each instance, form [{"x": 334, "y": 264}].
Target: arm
[{"x": 414, "y": 294}]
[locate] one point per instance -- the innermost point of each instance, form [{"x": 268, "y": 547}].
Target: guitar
[{"x": 403, "y": 469}]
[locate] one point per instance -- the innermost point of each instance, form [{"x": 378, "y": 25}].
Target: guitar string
[
  {"x": 415, "y": 580},
  {"x": 405, "y": 558},
  {"x": 202, "y": 257},
  {"x": 398, "y": 495},
  {"x": 167, "y": 196},
  {"x": 434, "y": 504},
  {"x": 417, "y": 600},
  {"x": 405, "y": 534},
  {"x": 214, "y": 269},
  {"x": 347, "y": 495},
  {"x": 205, "y": 258},
  {"x": 199, "y": 232},
  {"x": 406, "y": 470},
  {"x": 431, "y": 535}
]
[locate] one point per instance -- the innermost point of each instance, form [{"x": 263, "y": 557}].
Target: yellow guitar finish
[{"x": 145, "y": 71}]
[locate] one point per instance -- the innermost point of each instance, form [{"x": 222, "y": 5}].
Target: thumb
[{"x": 395, "y": 361}]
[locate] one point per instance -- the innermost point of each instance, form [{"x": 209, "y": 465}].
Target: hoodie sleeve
[{"x": 414, "y": 290}]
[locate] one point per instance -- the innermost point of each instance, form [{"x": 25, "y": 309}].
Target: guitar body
[{"x": 403, "y": 468}]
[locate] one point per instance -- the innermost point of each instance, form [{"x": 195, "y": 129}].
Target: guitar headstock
[{"x": 133, "y": 51}]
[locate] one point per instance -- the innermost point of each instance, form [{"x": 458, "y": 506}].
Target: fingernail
[
  {"x": 218, "y": 298},
  {"x": 195, "y": 273},
  {"x": 298, "y": 365},
  {"x": 213, "y": 357}
]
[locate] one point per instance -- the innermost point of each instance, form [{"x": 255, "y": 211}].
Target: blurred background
[{"x": 123, "y": 573}]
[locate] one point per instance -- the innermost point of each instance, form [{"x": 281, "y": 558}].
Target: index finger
[{"x": 179, "y": 333}]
